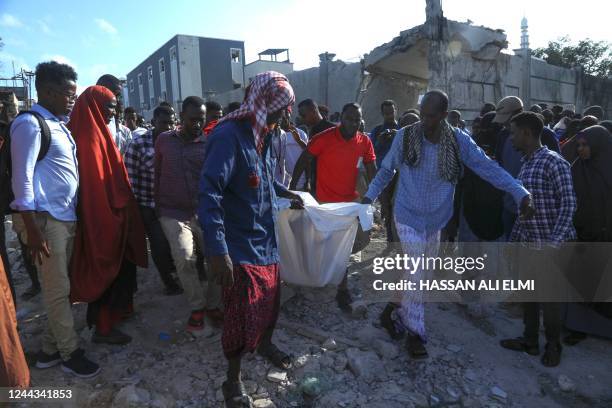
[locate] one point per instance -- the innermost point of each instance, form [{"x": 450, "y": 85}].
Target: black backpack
[{"x": 6, "y": 191}]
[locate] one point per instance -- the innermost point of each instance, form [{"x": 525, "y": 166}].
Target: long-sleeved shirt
[
  {"x": 140, "y": 165},
  {"x": 424, "y": 201},
  {"x": 49, "y": 185},
  {"x": 286, "y": 151},
  {"x": 548, "y": 177},
  {"x": 121, "y": 136},
  {"x": 238, "y": 197},
  {"x": 511, "y": 159},
  {"x": 381, "y": 147},
  {"x": 178, "y": 164}
]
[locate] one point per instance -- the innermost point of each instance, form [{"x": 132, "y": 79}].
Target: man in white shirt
[
  {"x": 286, "y": 149},
  {"x": 131, "y": 121}
]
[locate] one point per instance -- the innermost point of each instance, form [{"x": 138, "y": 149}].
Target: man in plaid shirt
[
  {"x": 548, "y": 177},
  {"x": 140, "y": 162}
]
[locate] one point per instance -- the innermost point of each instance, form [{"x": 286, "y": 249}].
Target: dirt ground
[{"x": 339, "y": 360}]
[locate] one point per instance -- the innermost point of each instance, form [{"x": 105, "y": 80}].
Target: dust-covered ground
[{"x": 339, "y": 360}]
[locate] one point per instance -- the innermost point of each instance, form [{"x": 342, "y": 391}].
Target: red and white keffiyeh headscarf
[{"x": 268, "y": 92}]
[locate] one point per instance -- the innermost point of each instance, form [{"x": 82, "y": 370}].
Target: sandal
[
  {"x": 416, "y": 347},
  {"x": 235, "y": 395},
  {"x": 552, "y": 355},
  {"x": 519, "y": 344},
  {"x": 277, "y": 357},
  {"x": 386, "y": 321}
]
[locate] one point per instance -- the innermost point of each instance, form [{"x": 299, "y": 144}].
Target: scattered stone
[
  {"x": 250, "y": 386},
  {"x": 365, "y": 364},
  {"x": 311, "y": 386},
  {"x": 434, "y": 401},
  {"x": 470, "y": 375},
  {"x": 132, "y": 397},
  {"x": 329, "y": 344},
  {"x": 566, "y": 384},
  {"x": 275, "y": 375},
  {"x": 264, "y": 403},
  {"x": 498, "y": 393},
  {"x": 300, "y": 361},
  {"x": 340, "y": 363},
  {"x": 454, "y": 348},
  {"x": 219, "y": 395},
  {"x": 453, "y": 395},
  {"x": 386, "y": 349}
]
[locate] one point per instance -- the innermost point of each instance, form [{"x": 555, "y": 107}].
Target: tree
[{"x": 595, "y": 57}]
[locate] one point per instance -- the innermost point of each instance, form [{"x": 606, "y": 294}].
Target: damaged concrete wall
[
  {"x": 596, "y": 91},
  {"x": 463, "y": 60},
  {"x": 552, "y": 84},
  {"x": 405, "y": 93}
]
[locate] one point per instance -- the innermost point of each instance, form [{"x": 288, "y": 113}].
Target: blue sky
[{"x": 114, "y": 36}]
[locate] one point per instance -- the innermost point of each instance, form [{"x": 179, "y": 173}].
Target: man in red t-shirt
[{"x": 339, "y": 151}]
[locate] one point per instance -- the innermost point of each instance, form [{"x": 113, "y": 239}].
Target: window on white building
[
  {"x": 236, "y": 55},
  {"x": 131, "y": 85},
  {"x": 150, "y": 72},
  {"x": 162, "y": 66},
  {"x": 173, "y": 53},
  {"x": 139, "y": 79}
]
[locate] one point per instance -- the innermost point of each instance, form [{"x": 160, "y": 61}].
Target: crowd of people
[{"x": 88, "y": 183}]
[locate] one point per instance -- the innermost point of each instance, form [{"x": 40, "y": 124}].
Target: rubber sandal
[
  {"x": 416, "y": 348},
  {"x": 519, "y": 344},
  {"x": 277, "y": 357}
]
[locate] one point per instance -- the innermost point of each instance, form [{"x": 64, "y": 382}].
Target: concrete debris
[
  {"x": 330, "y": 344},
  {"x": 498, "y": 393},
  {"x": 132, "y": 397},
  {"x": 275, "y": 375},
  {"x": 365, "y": 365},
  {"x": 264, "y": 403},
  {"x": 566, "y": 384},
  {"x": 386, "y": 349}
]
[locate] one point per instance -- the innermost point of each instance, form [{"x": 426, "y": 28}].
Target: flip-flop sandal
[
  {"x": 552, "y": 355},
  {"x": 416, "y": 348},
  {"x": 278, "y": 358},
  {"x": 235, "y": 395},
  {"x": 519, "y": 344}
]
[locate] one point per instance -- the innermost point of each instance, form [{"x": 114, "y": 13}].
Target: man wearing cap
[{"x": 508, "y": 156}]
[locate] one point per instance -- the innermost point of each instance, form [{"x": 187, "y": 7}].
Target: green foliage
[{"x": 595, "y": 57}]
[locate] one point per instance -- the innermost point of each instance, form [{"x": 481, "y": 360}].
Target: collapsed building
[{"x": 470, "y": 63}]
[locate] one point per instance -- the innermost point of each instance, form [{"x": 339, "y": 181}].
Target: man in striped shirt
[{"x": 139, "y": 161}]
